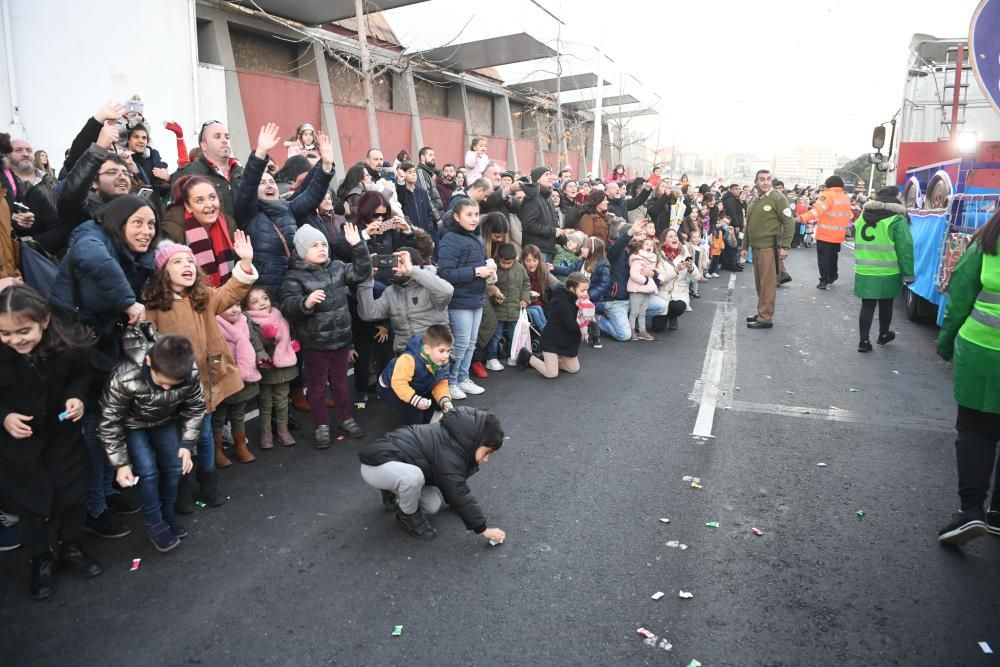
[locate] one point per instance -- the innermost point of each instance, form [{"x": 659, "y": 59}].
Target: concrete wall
[
  {"x": 347, "y": 87},
  {"x": 432, "y": 99},
  {"x": 62, "y": 78},
  {"x": 260, "y": 53},
  {"x": 481, "y": 113}
]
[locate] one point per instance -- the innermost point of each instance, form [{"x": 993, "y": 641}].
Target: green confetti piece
[
  {"x": 694, "y": 663},
  {"x": 712, "y": 524},
  {"x": 397, "y": 631},
  {"x": 199, "y": 503},
  {"x": 860, "y": 513}
]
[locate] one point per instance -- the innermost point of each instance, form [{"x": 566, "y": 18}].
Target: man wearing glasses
[{"x": 216, "y": 164}]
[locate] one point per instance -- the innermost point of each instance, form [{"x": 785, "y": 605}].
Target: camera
[{"x": 386, "y": 261}]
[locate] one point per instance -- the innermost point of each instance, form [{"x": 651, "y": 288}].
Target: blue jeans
[
  {"x": 206, "y": 445},
  {"x": 464, "y": 327},
  {"x": 537, "y": 316},
  {"x": 101, "y": 474},
  {"x": 153, "y": 454},
  {"x": 615, "y": 320},
  {"x": 494, "y": 344}
]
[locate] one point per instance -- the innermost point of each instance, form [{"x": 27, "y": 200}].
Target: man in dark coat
[
  {"x": 216, "y": 164},
  {"x": 733, "y": 207},
  {"x": 538, "y": 217},
  {"x": 619, "y": 204},
  {"x": 419, "y": 468}
]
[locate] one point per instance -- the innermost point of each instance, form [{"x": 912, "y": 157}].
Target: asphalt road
[{"x": 302, "y": 567}]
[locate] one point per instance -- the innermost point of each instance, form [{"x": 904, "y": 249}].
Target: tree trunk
[{"x": 366, "y": 74}]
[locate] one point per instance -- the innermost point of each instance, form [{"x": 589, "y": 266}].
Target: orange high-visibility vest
[{"x": 832, "y": 214}]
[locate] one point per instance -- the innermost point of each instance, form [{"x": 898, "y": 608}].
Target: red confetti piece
[
  {"x": 757, "y": 531},
  {"x": 645, "y": 633},
  {"x": 135, "y": 564}
]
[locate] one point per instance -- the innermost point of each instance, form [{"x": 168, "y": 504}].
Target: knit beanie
[
  {"x": 305, "y": 237},
  {"x": 596, "y": 197},
  {"x": 538, "y": 172},
  {"x": 167, "y": 250}
]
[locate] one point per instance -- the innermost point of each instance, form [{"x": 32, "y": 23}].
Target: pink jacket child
[
  {"x": 236, "y": 331},
  {"x": 476, "y": 161},
  {"x": 278, "y": 367},
  {"x": 637, "y": 282}
]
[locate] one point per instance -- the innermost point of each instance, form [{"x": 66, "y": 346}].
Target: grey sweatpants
[{"x": 407, "y": 482}]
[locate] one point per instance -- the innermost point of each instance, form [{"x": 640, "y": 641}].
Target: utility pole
[
  {"x": 595, "y": 165},
  {"x": 366, "y": 72},
  {"x": 561, "y": 149}
]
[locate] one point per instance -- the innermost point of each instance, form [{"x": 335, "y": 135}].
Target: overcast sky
[{"x": 731, "y": 75}]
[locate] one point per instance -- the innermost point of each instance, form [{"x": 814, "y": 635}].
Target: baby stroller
[{"x": 809, "y": 235}]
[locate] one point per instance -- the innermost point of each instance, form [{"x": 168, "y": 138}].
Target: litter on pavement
[
  {"x": 494, "y": 543},
  {"x": 685, "y": 595},
  {"x": 657, "y": 595},
  {"x": 397, "y": 631},
  {"x": 695, "y": 663},
  {"x": 135, "y": 564},
  {"x": 664, "y": 520},
  {"x": 643, "y": 632},
  {"x": 820, "y": 465},
  {"x": 757, "y": 531},
  {"x": 853, "y": 390},
  {"x": 695, "y": 485},
  {"x": 860, "y": 513},
  {"x": 199, "y": 504},
  {"x": 665, "y": 645},
  {"x": 712, "y": 524},
  {"x": 986, "y": 648}
]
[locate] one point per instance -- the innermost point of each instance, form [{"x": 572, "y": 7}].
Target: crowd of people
[{"x": 143, "y": 311}]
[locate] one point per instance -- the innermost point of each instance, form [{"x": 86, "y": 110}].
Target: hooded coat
[
  {"x": 271, "y": 223},
  {"x": 459, "y": 255},
  {"x": 49, "y": 469},
  {"x": 326, "y": 326},
  {"x": 132, "y": 401},
  {"x": 445, "y": 452},
  {"x": 893, "y": 215},
  {"x": 410, "y": 307}
]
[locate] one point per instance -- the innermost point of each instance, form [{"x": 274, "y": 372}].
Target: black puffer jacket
[
  {"x": 132, "y": 400},
  {"x": 74, "y": 200},
  {"x": 562, "y": 334},
  {"x": 327, "y": 326},
  {"x": 445, "y": 452},
  {"x": 538, "y": 219}
]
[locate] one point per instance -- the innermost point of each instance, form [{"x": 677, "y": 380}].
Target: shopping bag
[
  {"x": 38, "y": 268},
  {"x": 522, "y": 336}
]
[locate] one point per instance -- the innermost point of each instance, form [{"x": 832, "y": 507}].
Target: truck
[{"x": 944, "y": 155}]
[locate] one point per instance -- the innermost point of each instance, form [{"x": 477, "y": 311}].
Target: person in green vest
[
  {"x": 883, "y": 261},
  {"x": 970, "y": 337}
]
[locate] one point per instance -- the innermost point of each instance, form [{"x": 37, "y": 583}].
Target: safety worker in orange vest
[{"x": 832, "y": 215}]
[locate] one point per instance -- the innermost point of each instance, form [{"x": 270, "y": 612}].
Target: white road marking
[
  {"x": 840, "y": 415},
  {"x": 719, "y": 369},
  {"x": 732, "y": 280}
]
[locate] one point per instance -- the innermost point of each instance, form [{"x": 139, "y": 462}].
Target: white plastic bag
[{"x": 522, "y": 336}]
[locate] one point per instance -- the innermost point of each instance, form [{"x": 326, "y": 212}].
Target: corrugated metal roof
[{"x": 378, "y": 28}]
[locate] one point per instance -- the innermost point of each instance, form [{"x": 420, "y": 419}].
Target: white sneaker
[
  {"x": 456, "y": 393},
  {"x": 470, "y": 387},
  {"x": 494, "y": 365},
  {"x": 688, "y": 309}
]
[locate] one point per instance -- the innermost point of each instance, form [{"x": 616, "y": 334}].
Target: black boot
[
  {"x": 886, "y": 338},
  {"x": 864, "y": 345},
  {"x": 185, "y": 502},
  {"x": 208, "y": 488},
  {"x": 416, "y": 524},
  {"x": 388, "y": 501},
  {"x": 672, "y": 323},
  {"x": 73, "y": 557},
  {"x": 41, "y": 584}
]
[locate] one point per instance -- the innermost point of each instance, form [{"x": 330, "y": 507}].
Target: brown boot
[
  {"x": 220, "y": 458},
  {"x": 264, "y": 440},
  {"x": 299, "y": 401},
  {"x": 243, "y": 455},
  {"x": 284, "y": 435}
]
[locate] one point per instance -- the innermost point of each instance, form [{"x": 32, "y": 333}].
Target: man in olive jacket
[{"x": 770, "y": 228}]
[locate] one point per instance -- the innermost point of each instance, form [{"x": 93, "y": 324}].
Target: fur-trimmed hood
[{"x": 893, "y": 208}]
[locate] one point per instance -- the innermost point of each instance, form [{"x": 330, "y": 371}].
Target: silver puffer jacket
[{"x": 132, "y": 401}]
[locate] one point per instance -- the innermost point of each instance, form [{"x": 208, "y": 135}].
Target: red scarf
[
  {"x": 670, "y": 253},
  {"x": 213, "y": 249}
]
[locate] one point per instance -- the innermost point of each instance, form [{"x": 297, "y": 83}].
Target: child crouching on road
[
  {"x": 420, "y": 468},
  {"x": 152, "y": 413},
  {"x": 417, "y": 380}
]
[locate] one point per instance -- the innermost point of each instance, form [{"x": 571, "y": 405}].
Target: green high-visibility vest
[
  {"x": 874, "y": 249},
  {"x": 982, "y": 326}
]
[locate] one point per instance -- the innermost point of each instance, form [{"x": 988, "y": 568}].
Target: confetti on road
[
  {"x": 695, "y": 485},
  {"x": 986, "y": 648},
  {"x": 757, "y": 531},
  {"x": 695, "y": 663},
  {"x": 853, "y": 390},
  {"x": 135, "y": 564},
  {"x": 397, "y": 631},
  {"x": 664, "y": 520},
  {"x": 895, "y": 372},
  {"x": 494, "y": 543},
  {"x": 199, "y": 504},
  {"x": 860, "y": 513},
  {"x": 657, "y": 595},
  {"x": 820, "y": 465},
  {"x": 645, "y": 633},
  {"x": 685, "y": 595},
  {"x": 712, "y": 524},
  {"x": 686, "y": 478},
  {"x": 665, "y": 645}
]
